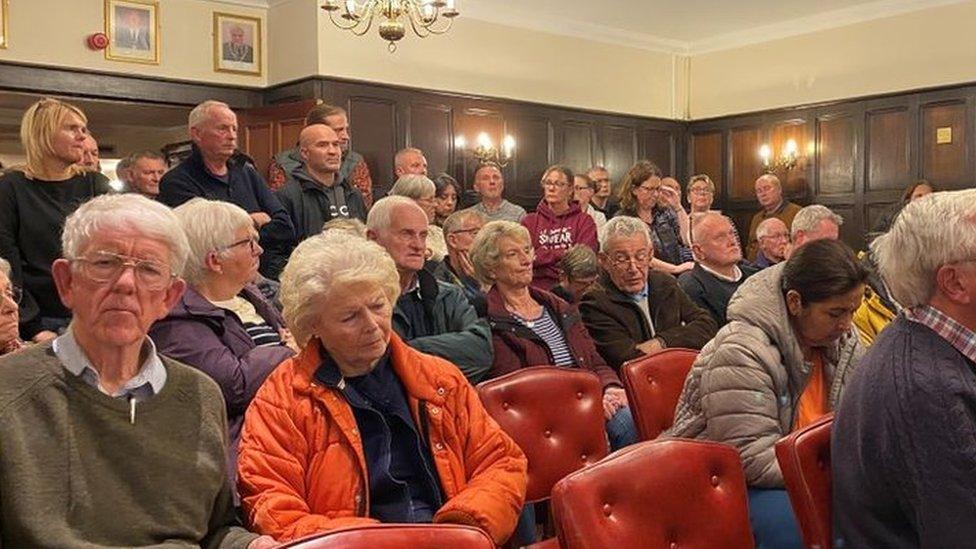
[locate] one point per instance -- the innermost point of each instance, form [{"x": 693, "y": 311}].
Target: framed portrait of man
[
  {"x": 4, "y": 35},
  {"x": 132, "y": 27},
  {"x": 237, "y": 44}
]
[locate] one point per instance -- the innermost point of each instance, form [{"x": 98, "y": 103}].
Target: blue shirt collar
[
  {"x": 148, "y": 381},
  {"x": 639, "y": 296}
]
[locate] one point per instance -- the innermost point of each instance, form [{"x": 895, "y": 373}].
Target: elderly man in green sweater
[{"x": 105, "y": 442}]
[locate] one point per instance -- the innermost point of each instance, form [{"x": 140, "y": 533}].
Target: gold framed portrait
[
  {"x": 132, "y": 27},
  {"x": 237, "y": 44},
  {"x": 4, "y": 33}
]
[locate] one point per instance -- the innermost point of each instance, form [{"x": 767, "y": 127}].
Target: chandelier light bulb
[{"x": 484, "y": 141}]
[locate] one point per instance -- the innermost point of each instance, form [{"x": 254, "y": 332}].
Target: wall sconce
[
  {"x": 786, "y": 161},
  {"x": 485, "y": 150}
]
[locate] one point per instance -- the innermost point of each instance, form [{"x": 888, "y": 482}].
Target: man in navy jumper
[
  {"x": 209, "y": 172},
  {"x": 904, "y": 438}
]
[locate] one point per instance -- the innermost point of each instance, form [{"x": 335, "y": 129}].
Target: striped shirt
[
  {"x": 553, "y": 336},
  {"x": 960, "y": 337}
]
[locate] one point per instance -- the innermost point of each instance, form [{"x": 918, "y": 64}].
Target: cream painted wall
[
  {"x": 499, "y": 61},
  {"x": 53, "y": 32},
  {"x": 920, "y": 49},
  {"x": 293, "y": 34}
]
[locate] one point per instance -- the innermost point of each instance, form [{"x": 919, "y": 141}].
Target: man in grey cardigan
[
  {"x": 105, "y": 442},
  {"x": 904, "y": 437}
]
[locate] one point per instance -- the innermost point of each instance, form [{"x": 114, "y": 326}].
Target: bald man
[
  {"x": 769, "y": 193},
  {"x": 315, "y": 192}
]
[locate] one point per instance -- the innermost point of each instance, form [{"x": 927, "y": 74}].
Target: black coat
[
  {"x": 710, "y": 292},
  {"x": 308, "y": 204}
]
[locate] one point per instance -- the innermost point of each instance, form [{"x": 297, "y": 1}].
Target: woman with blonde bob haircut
[
  {"x": 35, "y": 201},
  {"x": 361, "y": 428}
]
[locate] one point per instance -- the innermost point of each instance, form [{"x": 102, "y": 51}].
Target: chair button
[
  {"x": 579, "y": 395},
  {"x": 674, "y": 545},
  {"x": 505, "y": 406},
  {"x": 715, "y": 480},
  {"x": 607, "y": 510},
  {"x": 583, "y": 457},
  {"x": 548, "y": 433}
]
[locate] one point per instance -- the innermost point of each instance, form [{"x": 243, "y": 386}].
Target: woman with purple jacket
[{"x": 222, "y": 325}]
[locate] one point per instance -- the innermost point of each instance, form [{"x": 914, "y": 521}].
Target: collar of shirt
[
  {"x": 639, "y": 296},
  {"x": 414, "y": 286},
  {"x": 736, "y": 275},
  {"x": 959, "y": 336},
  {"x": 148, "y": 381}
]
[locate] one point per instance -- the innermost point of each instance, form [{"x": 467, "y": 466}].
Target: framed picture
[
  {"x": 4, "y": 35},
  {"x": 237, "y": 43},
  {"x": 132, "y": 27}
]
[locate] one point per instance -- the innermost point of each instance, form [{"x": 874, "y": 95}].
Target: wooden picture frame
[
  {"x": 237, "y": 45},
  {"x": 4, "y": 32},
  {"x": 132, "y": 27}
]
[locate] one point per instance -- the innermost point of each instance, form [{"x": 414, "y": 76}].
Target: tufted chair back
[
  {"x": 661, "y": 493},
  {"x": 654, "y": 385},
  {"x": 397, "y": 536},
  {"x": 804, "y": 458},
  {"x": 555, "y": 415}
]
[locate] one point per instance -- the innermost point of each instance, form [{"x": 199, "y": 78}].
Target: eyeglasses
[
  {"x": 701, "y": 190},
  {"x": 651, "y": 190},
  {"x": 556, "y": 184},
  {"x": 14, "y": 293},
  {"x": 473, "y": 230},
  {"x": 775, "y": 236},
  {"x": 251, "y": 241},
  {"x": 623, "y": 260},
  {"x": 106, "y": 267},
  {"x": 583, "y": 188}
]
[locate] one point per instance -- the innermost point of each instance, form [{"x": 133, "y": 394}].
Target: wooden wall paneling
[
  {"x": 796, "y": 182},
  {"x": 947, "y": 165},
  {"x": 579, "y": 146},
  {"x": 533, "y": 154},
  {"x": 619, "y": 150},
  {"x": 850, "y": 231},
  {"x": 258, "y": 143},
  {"x": 706, "y": 158},
  {"x": 836, "y": 151},
  {"x": 745, "y": 164},
  {"x": 431, "y": 129},
  {"x": 888, "y": 136},
  {"x": 375, "y": 137},
  {"x": 287, "y": 132},
  {"x": 659, "y": 146},
  {"x": 471, "y": 121}
]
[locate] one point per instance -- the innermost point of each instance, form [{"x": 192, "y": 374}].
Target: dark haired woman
[
  {"x": 446, "y": 194},
  {"x": 779, "y": 364},
  {"x": 913, "y": 192}
]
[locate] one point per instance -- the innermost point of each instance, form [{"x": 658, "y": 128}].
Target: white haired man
[
  {"x": 409, "y": 161},
  {"x": 431, "y": 316},
  {"x": 774, "y": 242},
  {"x": 635, "y": 311},
  {"x": 209, "y": 172},
  {"x": 719, "y": 269},
  {"x": 903, "y": 441},
  {"x": 769, "y": 193},
  {"x": 105, "y": 442},
  {"x": 813, "y": 222}
]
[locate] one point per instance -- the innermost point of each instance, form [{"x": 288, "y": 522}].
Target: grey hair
[
  {"x": 398, "y": 160},
  {"x": 325, "y": 263},
  {"x": 484, "y": 252},
  {"x": 579, "y": 262},
  {"x": 762, "y": 231},
  {"x": 928, "y": 233},
  {"x": 809, "y": 217},
  {"x": 456, "y": 220},
  {"x": 209, "y": 225},
  {"x": 696, "y": 229},
  {"x": 381, "y": 214},
  {"x": 4, "y": 267},
  {"x": 350, "y": 225},
  {"x": 413, "y": 186},
  {"x": 623, "y": 226},
  {"x": 125, "y": 211},
  {"x": 772, "y": 178},
  {"x": 201, "y": 112}
]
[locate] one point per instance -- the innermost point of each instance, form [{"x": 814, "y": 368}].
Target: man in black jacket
[
  {"x": 315, "y": 192},
  {"x": 719, "y": 269},
  {"x": 210, "y": 172}
]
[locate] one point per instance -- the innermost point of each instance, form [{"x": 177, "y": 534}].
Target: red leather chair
[
  {"x": 555, "y": 415},
  {"x": 653, "y": 384},
  {"x": 661, "y": 493},
  {"x": 397, "y": 536},
  {"x": 804, "y": 459}
]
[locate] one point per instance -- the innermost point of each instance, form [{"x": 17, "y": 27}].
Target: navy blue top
[
  {"x": 903, "y": 446},
  {"x": 403, "y": 484}
]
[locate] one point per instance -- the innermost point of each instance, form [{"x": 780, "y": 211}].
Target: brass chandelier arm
[{"x": 359, "y": 20}]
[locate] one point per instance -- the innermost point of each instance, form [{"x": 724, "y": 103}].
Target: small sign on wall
[{"x": 943, "y": 136}]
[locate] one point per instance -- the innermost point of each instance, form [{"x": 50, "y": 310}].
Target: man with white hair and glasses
[
  {"x": 904, "y": 437},
  {"x": 105, "y": 442}
]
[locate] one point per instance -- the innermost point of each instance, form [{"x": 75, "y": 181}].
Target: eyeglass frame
[
  {"x": 15, "y": 293},
  {"x": 254, "y": 242},
  {"x": 637, "y": 260},
  {"x": 125, "y": 262}
]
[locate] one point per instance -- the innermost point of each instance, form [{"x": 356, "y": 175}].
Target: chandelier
[
  {"x": 485, "y": 151},
  {"x": 425, "y": 17}
]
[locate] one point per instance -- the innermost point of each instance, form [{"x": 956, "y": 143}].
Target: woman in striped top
[
  {"x": 532, "y": 327},
  {"x": 223, "y": 325}
]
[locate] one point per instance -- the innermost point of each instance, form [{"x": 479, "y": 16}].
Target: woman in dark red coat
[{"x": 532, "y": 327}]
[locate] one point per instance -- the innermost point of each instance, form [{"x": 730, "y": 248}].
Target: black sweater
[{"x": 32, "y": 214}]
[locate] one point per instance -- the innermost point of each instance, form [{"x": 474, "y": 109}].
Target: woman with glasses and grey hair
[
  {"x": 223, "y": 325},
  {"x": 9, "y": 313}
]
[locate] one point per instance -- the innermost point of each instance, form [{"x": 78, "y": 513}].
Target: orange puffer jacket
[{"x": 301, "y": 464}]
